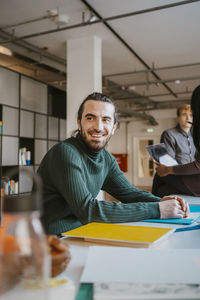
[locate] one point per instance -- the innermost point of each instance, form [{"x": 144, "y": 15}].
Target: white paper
[
  {"x": 120, "y": 264},
  {"x": 160, "y": 154},
  {"x": 137, "y": 291},
  {"x": 167, "y": 160},
  {"x": 191, "y": 199}
]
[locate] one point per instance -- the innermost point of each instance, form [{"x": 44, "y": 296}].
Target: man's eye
[
  {"x": 89, "y": 118},
  {"x": 107, "y": 120}
]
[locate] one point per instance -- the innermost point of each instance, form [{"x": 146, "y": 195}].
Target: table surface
[{"x": 179, "y": 240}]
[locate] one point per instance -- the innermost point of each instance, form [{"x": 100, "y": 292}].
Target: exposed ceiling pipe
[
  {"x": 153, "y": 95},
  {"x": 140, "y": 115},
  {"x": 153, "y": 69},
  {"x": 34, "y": 49},
  {"x": 128, "y": 46},
  {"x": 115, "y": 89},
  {"x": 101, "y": 20},
  {"x": 13, "y": 39},
  {"x": 49, "y": 16},
  {"x": 165, "y": 105},
  {"x": 163, "y": 81}
]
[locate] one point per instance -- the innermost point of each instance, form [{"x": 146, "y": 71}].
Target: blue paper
[
  {"x": 194, "y": 208},
  {"x": 195, "y": 227},
  {"x": 173, "y": 221}
]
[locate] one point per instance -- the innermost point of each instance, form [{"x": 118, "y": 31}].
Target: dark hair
[
  {"x": 97, "y": 97},
  {"x": 195, "y": 105}
]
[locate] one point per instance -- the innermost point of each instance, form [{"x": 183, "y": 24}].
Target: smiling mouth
[{"x": 97, "y": 135}]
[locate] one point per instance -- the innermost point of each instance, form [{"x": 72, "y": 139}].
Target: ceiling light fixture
[
  {"x": 177, "y": 81},
  {"x": 59, "y": 19},
  {"x": 132, "y": 87},
  {"x": 62, "y": 20},
  {"x": 5, "y": 51},
  {"x": 92, "y": 18}
]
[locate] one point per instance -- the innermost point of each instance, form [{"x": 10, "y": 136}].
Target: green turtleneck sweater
[{"x": 72, "y": 177}]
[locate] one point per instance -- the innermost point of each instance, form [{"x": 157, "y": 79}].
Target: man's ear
[
  {"x": 114, "y": 128},
  {"x": 79, "y": 124}
]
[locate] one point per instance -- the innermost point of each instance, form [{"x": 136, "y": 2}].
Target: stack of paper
[{"x": 124, "y": 273}]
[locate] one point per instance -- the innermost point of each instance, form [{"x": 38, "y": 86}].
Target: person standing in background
[
  {"x": 186, "y": 176},
  {"x": 180, "y": 146},
  {"x": 179, "y": 140}
]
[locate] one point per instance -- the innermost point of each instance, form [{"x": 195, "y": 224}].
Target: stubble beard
[{"x": 94, "y": 144}]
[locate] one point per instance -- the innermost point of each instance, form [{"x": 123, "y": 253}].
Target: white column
[{"x": 84, "y": 74}]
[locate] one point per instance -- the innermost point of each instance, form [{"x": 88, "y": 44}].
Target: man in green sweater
[{"x": 75, "y": 170}]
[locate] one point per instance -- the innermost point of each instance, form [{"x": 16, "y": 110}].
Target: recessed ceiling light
[{"x": 177, "y": 81}]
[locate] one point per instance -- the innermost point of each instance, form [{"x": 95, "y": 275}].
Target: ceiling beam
[
  {"x": 14, "y": 39},
  {"x": 140, "y": 115},
  {"x": 33, "y": 48},
  {"x": 161, "y": 81},
  {"x": 128, "y": 46},
  {"x": 153, "y": 69},
  {"x": 101, "y": 20}
]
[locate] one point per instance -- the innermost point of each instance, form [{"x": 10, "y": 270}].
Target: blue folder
[
  {"x": 194, "y": 208},
  {"x": 174, "y": 221}
]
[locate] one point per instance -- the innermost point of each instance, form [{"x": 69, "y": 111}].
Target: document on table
[
  {"x": 116, "y": 264},
  {"x": 130, "y": 291}
]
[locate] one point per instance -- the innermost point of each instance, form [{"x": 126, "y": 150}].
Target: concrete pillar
[{"x": 84, "y": 74}]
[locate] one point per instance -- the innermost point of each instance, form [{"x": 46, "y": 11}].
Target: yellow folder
[{"x": 120, "y": 235}]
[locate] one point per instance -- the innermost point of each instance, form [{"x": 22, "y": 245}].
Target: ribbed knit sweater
[{"x": 72, "y": 177}]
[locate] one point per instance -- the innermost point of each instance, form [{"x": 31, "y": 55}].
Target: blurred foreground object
[{"x": 24, "y": 254}]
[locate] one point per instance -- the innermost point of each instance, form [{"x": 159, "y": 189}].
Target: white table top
[{"x": 179, "y": 240}]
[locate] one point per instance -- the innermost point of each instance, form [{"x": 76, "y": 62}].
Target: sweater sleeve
[
  {"x": 119, "y": 187},
  {"x": 187, "y": 169},
  {"x": 71, "y": 184}
]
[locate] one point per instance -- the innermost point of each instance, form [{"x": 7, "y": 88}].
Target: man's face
[
  {"x": 97, "y": 124},
  {"x": 185, "y": 116}
]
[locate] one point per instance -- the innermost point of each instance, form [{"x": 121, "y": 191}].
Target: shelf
[
  {"x": 29, "y": 144},
  {"x": 9, "y": 89},
  {"x": 34, "y": 117},
  {"x": 56, "y": 103},
  {"x": 10, "y": 118},
  {"x": 26, "y": 124}
]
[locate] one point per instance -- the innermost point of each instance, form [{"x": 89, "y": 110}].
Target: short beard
[{"x": 94, "y": 145}]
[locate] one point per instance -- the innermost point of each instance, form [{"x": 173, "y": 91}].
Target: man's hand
[
  {"x": 60, "y": 255},
  {"x": 163, "y": 170},
  {"x": 173, "y": 207}
]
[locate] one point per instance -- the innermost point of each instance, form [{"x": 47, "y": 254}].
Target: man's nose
[
  {"x": 188, "y": 117},
  {"x": 99, "y": 125}
]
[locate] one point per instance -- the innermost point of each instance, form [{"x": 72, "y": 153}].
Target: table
[{"x": 179, "y": 240}]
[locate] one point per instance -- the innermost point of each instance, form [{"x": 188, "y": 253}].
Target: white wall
[{"x": 123, "y": 140}]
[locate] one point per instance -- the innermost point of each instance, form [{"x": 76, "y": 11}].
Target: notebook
[
  {"x": 185, "y": 221},
  {"x": 159, "y": 153},
  {"x": 121, "y": 235}
]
